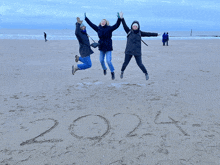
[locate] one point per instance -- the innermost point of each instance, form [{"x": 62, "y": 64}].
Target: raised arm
[
  {"x": 126, "y": 28},
  {"x": 91, "y": 24},
  {"x": 148, "y": 34},
  {"x": 77, "y": 30},
  {"x": 116, "y": 25}
]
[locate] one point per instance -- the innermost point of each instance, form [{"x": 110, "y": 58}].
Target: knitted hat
[
  {"x": 82, "y": 25},
  {"x": 135, "y": 24}
]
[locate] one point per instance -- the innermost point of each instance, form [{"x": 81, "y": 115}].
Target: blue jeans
[
  {"x": 87, "y": 63},
  {"x": 108, "y": 59}
]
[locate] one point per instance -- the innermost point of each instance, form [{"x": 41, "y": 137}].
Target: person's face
[
  {"x": 83, "y": 28},
  {"x": 134, "y": 27},
  {"x": 103, "y": 22}
]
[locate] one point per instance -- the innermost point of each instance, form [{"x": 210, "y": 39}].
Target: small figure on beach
[
  {"x": 104, "y": 31},
  {"x": 84, "y": 47},
  {"x": 165, "y": 38},
  {"x": 45, "y": 37},
  {"x": 133, "y": 47}
]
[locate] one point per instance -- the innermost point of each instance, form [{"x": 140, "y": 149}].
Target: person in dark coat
[
  {"x": 104, "y": 31},
  {"x": 84, "y": 47},
  {"x": 133, "y": 47},
  {"x": 164, "y": 38},
  {"x": 167, "y": 38},
  {"x": 45, "y": 37}
]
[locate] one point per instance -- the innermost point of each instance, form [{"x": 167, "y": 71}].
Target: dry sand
[{"x": 48, "y": 116}]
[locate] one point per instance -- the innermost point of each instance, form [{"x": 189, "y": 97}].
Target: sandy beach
[{"x": 50, "y": 117}]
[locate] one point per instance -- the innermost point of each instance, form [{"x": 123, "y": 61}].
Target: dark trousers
[
  {"x": 165, "y": 42},
  {"x": 138, "y": 61}
]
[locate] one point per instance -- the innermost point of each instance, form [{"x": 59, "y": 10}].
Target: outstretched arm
[
  {"x": 78, "y": 30},
  {"x": 78, "y": 23},
  {"x": 148, "y": 34},
  {"x": 126, "y": 28},
  {"x": 116, "y": 25},
  {"x": 91, "y": 24}
]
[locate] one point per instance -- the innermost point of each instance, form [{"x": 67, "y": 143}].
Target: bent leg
[
  {"x": 140, "y": 64},
  {"x": 86, "y": 63}
]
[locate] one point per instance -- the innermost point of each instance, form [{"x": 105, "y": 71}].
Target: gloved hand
[
  {"x": 118, "y": 15},
  {"x": 121, "y": 15},
  {"x": 78, "y": 20}
]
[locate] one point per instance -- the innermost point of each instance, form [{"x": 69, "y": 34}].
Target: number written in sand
[
  {"x": 33, "y": 140},
  {"x": 170, "y": 122},
  {"x": 131, "y": 133},
  {"x": 92, "y": 129}
]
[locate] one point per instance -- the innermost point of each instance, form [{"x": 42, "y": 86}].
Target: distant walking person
[
  {"x": 104, "y": 31},
  {"x": 165, "y": 38},
  {"x": 84, "y": 47},
  {"x": 45, "y": 37},
  {"x": 133, "y": 47}
]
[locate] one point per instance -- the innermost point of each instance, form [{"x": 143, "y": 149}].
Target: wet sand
[{"x": 49, "y": 116}]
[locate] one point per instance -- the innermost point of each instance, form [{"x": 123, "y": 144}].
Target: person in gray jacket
[
  {"x": 133, "y": 47},
  {"x": 84, "y": 47}
]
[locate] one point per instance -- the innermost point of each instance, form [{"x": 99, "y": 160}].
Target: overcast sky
[{"x": 152, "y": 14}]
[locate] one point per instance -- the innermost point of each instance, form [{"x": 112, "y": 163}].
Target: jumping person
[
  {"x": 104, "y": 31},
  {"x": 133, "y": 47},
  {"x": 84, "y": 47}
]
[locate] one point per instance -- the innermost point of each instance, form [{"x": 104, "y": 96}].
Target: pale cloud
[{"x": 4, "y": 9}]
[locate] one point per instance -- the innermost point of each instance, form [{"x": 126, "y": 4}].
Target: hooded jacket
[
  {"x": 84, "y": 44},
  {"x": 133, "y": 46},
  {"x": 105, "y": 34}
]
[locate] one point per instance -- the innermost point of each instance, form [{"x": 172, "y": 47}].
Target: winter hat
[
  {"x": 82, "y": 25},
  {"x": 135, "y": 24}
]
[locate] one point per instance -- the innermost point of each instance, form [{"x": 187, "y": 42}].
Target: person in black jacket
[
  {"x": 167, "y": 38},
  {"x": 133, "y": 47},
  {"x": 164, "y": 38},
  {"x": 104, "y": 31},
  {"x": 45, "y": 37},
  {"x": 84, "y": 47}
]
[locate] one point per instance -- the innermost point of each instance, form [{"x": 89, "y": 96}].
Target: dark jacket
[
  {"x": 84, "y": 45},
  {"x": 165, "y": 37},
  {"x": 133, "y": 46},
  {"x": 105, "y": 34}
]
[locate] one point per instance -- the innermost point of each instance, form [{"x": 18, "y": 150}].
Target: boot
[
  {"x": 74, "y": 69},
  {"x": 113, "y": 75},
  {"x": 105, "y": 72},
  {"x": 121, "y": 76},
  {"x": 147, "y": 76},
  {"x": 76, "y": 58}
]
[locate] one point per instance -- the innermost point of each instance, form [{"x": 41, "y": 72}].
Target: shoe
[
  {"x": 76, "y": 58},
  {"x": 121, "y": 76},
  {"x": 113, "y": 75},
  {"x": 74, "y": 69},
  {"x": 147, "y": 76},
  {"x": 105, "y": 72}
]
